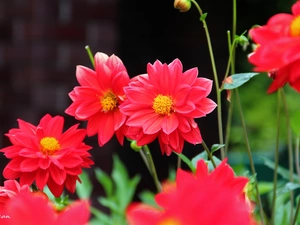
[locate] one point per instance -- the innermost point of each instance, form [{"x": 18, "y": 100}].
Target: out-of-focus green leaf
[
  {"x": 105, "y": 181},
  {"x": 237, "y": 80},
  {"x": 285, "y": 173},
  {"x": 85, "y": 188},
  {"x": 287, "y": 188},
  {"x": 111, "y": 204},
  {"x": 100, "y": 217},
  {"x": 148, "y": 197},
  {"x": 203, "y": 155},
  {"x": 187, "y": 161},
  {"x": 217, "y": 162},
  {"x": 265, "y": 187},
  {"x": 295, "y": 123},
  {"x": 216, "y": 147}
]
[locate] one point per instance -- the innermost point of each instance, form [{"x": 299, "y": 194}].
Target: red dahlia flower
[
  {"x": 278, "y": 50},
  {"x": 164, "y": 103},
  {"x": 98, "y": 98},
  {"x": 204, "y": 198},
  {"x": 9, "y": 190},
  {"x": 29, "y": 208},
  {"x": 46, "y": 155}
]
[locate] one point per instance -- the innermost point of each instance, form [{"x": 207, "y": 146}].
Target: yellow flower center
[
  {"x": 162, "y": 104},
  {"x": 109, "y": 102},
  {"x": 295, "y": 27},
  {"x": 49, "y": 145},
  {"x": 170, "y": 221}
]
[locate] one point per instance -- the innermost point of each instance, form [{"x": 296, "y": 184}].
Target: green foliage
[
  {"x": 238, "y": 79},
  {"x": 119, "y": 189}
]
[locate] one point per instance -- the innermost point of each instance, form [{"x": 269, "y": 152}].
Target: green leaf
[
  {"x": 147, "y": 197},
  {"x": 216, "y": 147},
  {"x": 100, "y": 217},
  {"x": 295, "y": 123},
  {"x": 85, "y": 188},
  {"x": 287, "y": 188},
  {"x": 265, "y": 187},
  {"x": 187, "y": 161},
  {"x": 238, "y": 79},
  {"x": 203, "y": 16},
  {"x": 203, "y": 155},
  {"x": 111, "y": 204},
  {"x": 105, "y": 181},
  {"x": 210, "y": 165},
  {"x": 285, "y": 173}
]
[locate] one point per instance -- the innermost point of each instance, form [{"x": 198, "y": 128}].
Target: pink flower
[
  {"x": 29, "y": 208},
  {"x": 204, "y": 198},
  {"x": 278, "y": 51},
  {"x": 164, "y": 103},
  {"x": 46, "y": 155},
  {"x": 9, "y": 190},
  {"x": 98, "y": 98}
]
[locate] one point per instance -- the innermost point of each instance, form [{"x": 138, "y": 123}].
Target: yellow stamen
[
  {"x": 163, "y": 104},
  {"x": 170, "y": 221},
  {"x": 49, "y": 145},
  {"x": 109, "y": 102},
  {"x": 295, "y": 27}
]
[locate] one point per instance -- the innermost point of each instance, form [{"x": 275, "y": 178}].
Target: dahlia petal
[
  {"x": 87, "y": 109},
  {"x": 169, "y": 123},
  {"x": 11, "y": 151},
  {"x": 120, "y": 135},
  {"x": 71, "y": 160},
  {"x": 28, "y": 153},
  {"x": 119, "y": 82},
  {"x": 93, "y": 125},
  {"x": 45, "y": 120},
  {"x": 29, "y": 165},
  {"x": 58, "y": 175},
  {"x": 188, "y": 107},
  {"x": 104, "y": 75},
  {"x": 9, "y": 173},
  {"x": 71, "y": 183},
  {"x": 106, "y": 131},
  {"x": 202, "y": 170},
  {"x": 145, "y": 139},
  {"x": 189, "y": 77},
  {"x": 193, "y": 137},
  {"x": 44, "y": 163},
  {"x": 138, "y": 118},
  {"x": 207, "y": 105},
  {"x": 41, "y": 178},
  {"x": 100, "y": 58},
  {"x": 26, "y": 127},
  {"x": 115, "y": 63},
  {"x": 78, "y": 213},
  {"x": 183, "y": 123},
  {"x": 15, "y": 163},
  {"x": 27, "y": 178},
  {"x": 24, "y": 140},
  {"x": 139, "y": 95},
  {"x": 54, "y": 127},
  {"x": 296, "y": 9},
  {"x": 55, "y": 189},
  {"x": 73, "y": 171},
  {"x": 153, "y": 124},
  {"x": 181, "y": 94},
  {"x": 72, "y": 137},
  {"x": 86, "y": 77},
  {"x": 119, "y": 119},
  {"x": 142, "y": 214}
]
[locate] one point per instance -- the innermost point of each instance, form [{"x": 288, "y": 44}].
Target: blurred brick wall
[{"x": 41, "y": 42}]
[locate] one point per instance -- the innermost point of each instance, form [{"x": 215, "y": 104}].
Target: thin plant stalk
[
  {"x": 276, "y": 161},
  {"x": 214, "y": 69},
  {"x": 152, "y": 168},
  {"x": 296, "y": 213},
  {"x": 209, "y": 154},
  {"x": 290, "y": 149},
  {"x": 252, "y": 166},
  {"x": 90, "y": 54},
  {"x": 297, "y": 147}
]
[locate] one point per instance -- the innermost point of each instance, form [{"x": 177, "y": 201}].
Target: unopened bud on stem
[{"x": 182, "y": 5}]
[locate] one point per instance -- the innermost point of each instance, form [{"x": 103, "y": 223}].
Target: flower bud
[
  {"x": 182, "y": 5},
  {"x": 134, "y": 146}
]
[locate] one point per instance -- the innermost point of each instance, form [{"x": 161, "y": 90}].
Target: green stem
[
  {"x": 296, "y": 213},
  {"x": 209, "y": 154},
  {"x": 89, "y": 52},
  {"x": 258, "y": 199},
  {"x": 212, "y": 58},
  {"x": 276, "y": 161},
  {"x": 290, "y": 149},
  {"x": 178, "y": 162},
  {"x": 297, "y": 155},
  {"x": 228, "y": 125},
  {"x": 152, "y": 167}
]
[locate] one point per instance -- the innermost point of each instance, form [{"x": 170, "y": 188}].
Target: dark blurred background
[{"x": 42, "y": 41}]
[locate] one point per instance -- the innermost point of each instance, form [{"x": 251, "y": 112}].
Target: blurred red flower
[
  {"x": 98, "y": 98},
  {"x": 9, "y": 190},
  {"x": 278, "y": 49},
  {"x": 29, "y": 208},
  {"x": 164, "y": 103},
  {"x": 46, "y": 155},
  {"x": 204, "y": 198}
]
